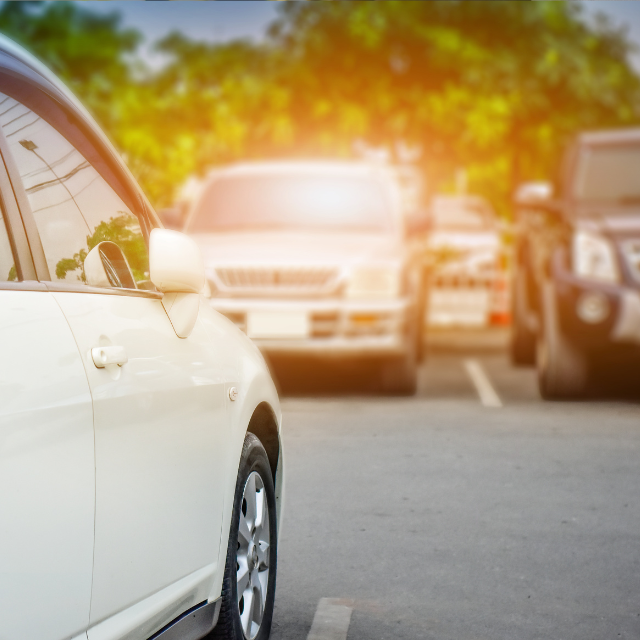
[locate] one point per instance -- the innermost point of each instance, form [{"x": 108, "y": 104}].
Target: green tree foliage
[
  {"x": 496, "y": 87},
  {"x": 88, "y": 51}
]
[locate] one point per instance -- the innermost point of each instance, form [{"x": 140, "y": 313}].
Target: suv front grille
[{"x": 287, "y": 280}]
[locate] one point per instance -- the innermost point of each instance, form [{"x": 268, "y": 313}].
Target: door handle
[{"x": 102, "y": 356}]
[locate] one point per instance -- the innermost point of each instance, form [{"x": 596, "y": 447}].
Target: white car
[
  {"x": 141, "y": 464},
  {"x": 312, "y": 259},
  {"x": 469, "y": 283}
]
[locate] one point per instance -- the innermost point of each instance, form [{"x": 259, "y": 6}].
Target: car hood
[
  {"x": 464, "y": 241},
  {"x": 611, "y": 220},
  {"x": 284, "y": 248}
]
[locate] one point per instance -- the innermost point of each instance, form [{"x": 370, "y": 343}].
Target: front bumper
[
  {"x": 336, "y": 327},
  {"x": 621, "y": 323}
]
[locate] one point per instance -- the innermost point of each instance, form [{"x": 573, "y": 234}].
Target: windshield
[
  {"x": 462, "y": 214},
  {"x": 609, "y": 173},
  {"x": 296, "y": 202}
]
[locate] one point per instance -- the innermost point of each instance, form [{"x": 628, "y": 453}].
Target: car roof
[
  {"x": 287, "y": 167},
  {"x": 611, "y": 136},
  {"x": 460, "y": 200}
]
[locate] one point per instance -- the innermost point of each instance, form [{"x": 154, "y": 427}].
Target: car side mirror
[
  {"x": 537, "y": 196},
  {"x": 106, "y": 266},
  {"x": 533, "y": 194},
  {"x": 177, "y": 270}
]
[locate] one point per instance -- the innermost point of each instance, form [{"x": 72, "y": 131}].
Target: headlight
[
  {"x": 594, "y": 257},
  {"x": 374, "y": 282}
]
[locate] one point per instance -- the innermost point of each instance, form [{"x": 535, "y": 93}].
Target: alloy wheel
[{"x": 252, "y": 558}]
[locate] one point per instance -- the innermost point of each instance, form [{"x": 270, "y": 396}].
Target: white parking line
[
  {"x": 331, "y": 621},
  {"x": 481, "y": 382}
]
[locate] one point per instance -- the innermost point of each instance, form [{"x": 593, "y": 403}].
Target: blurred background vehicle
[
  {"x": 576, "y": 283},
  {"x": 468, "y": 284},
  {"x": 314, "y": 259}
]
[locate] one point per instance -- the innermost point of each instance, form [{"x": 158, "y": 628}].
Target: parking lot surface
[{"x": 440, "y": 517}]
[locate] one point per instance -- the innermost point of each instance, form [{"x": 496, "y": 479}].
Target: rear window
[
  {"x": 609, "y": 173},
  {"x": 292, "y": 202}
]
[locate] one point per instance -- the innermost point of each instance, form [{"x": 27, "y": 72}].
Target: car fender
[{"x": 254, "y": 389}]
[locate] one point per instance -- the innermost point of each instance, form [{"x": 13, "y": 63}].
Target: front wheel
[
  {"x": 523, "y": 339},
  {"x": 399, "y": 374},
  {"x": 563, "y": 369},
  {"x": 249, "y": 584}
]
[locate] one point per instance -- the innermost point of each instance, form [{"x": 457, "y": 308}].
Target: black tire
[
  {"x": 563, "y": 369},
  {"x": 523, "y": 340},
  {"x": 399, "y": 375},
  {"x": 421, "y": 338},
  {"x": 229, "y": 627}
]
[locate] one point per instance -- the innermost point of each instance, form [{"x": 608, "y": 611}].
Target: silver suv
[{"x": 313, "y": 258}]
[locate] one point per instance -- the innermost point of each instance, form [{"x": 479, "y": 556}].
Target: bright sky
[
  {"x": 210, "y": 21},
  {"x": 218, "y": 21}
]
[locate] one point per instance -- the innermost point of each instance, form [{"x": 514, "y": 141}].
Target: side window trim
[
  {"x": 71, "y": 287},
  {"x": 41, "y": 270},
  {"x": 16, "y": 229},
  {"x": 23, "y": 285}
]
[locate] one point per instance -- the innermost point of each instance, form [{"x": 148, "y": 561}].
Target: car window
[
  {"x": 609, "y": 173},
  {"x": 73, "y": 206},
  {"x": 301, "y": 202}
]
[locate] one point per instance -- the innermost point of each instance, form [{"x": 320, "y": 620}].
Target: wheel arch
[{"x": 264, "y": 425}]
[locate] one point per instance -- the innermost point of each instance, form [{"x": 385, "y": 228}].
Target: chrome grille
[{"x": 291, "y": 280}]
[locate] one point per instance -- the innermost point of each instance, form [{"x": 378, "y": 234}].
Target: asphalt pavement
[{"x": 446, "y": 517}]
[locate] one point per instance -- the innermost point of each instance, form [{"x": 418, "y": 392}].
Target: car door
[
  {"x": 46, "y": 456},
  {"x": 159, "y": 416}
]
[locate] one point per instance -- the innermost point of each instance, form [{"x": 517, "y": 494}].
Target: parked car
[
  {"x": 313, "y": 259},
  {"x": 469, "y": 281},
  {"x": 141, "y": 464},
  {"x": 576, "y": 301}
]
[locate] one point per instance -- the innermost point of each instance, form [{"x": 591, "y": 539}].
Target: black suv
[{"x": 576, "y": 284}]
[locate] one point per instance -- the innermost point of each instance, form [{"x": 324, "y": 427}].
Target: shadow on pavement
[
  {"x": 314, "y": 377},
  {"x": 441, "y": 375},
  {"x": 298, "y": 376}
]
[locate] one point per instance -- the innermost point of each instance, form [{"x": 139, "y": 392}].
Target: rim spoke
[
  {"x": 244, "y": 532},
  {"x": 263, "y": 554},
  {"x": 247, "y": 613},
  {"x": 243, "y": 579},
  {"x": 263, "y": 577},
  {"x": 250, "y": 499},
  {"x": 258, "y": 605},
  {"x": 261, "y": 509}
]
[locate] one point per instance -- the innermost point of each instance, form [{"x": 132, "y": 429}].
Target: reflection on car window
[
  {"x": 73, "y": 206},
  {"x": 7, "y": 266}
]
